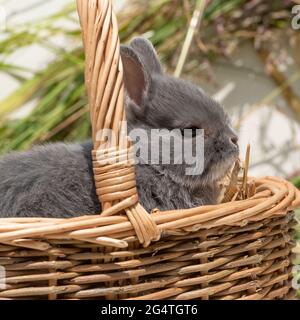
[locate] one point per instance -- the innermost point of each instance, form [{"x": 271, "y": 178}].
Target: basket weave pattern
[{"x": 236, "y": 250}]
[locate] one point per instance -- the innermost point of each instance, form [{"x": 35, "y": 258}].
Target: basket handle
[{"x": 113, "y": 155}]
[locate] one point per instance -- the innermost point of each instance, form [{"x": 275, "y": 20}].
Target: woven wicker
[{"x": 240, "y": 249}]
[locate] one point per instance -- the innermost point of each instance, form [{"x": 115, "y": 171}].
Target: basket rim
[{"x": 274, "y": 197}]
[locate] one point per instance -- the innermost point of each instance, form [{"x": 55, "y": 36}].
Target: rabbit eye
[{"x": 193, "y": 130}]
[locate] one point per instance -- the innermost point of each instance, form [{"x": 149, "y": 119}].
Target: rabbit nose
[{"x": 234, "y": 140}]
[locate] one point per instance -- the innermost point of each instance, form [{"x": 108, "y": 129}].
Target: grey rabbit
[{"x": 56, "y": 180}]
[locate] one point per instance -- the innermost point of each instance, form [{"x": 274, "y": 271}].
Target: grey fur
[
  {"x": 56, "y": 180},
  {"x": 49, "y": 181}
]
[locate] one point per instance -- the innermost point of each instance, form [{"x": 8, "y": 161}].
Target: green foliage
[
  {"x": 60, "y": 111},
  {"x": 58, "y": 90},
  {"x": 296, "y": 182}
]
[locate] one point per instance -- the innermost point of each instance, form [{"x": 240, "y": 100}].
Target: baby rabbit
[{"x": 56, "y": 180}]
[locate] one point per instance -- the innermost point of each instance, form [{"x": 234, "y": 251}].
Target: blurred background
[{"x": 244, "y": 53}]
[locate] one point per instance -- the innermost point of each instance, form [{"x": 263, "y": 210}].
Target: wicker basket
[{"x": 235, "y": 250}]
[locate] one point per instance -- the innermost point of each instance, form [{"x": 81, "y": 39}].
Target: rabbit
[{"x": 56, "y": 180}]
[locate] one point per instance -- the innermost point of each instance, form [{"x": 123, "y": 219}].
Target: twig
[
  {"x": 269, "y": 97},
  {"x": 246, "y": 168},
  {"x": 288, "y": 93},
  {"x": 282, "y": 152},
  {"x": 63, "y": 125},
  {"x": 195, "y": 22}
]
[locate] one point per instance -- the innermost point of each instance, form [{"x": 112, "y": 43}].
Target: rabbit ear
[
  {"x": 136, "y": 78},
  {"x": 147, "y": 53}
]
